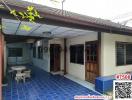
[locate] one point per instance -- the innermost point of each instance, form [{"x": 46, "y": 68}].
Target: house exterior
[
  {"x": 104, "y": 49},
  {"x": 108, "y": 54}
]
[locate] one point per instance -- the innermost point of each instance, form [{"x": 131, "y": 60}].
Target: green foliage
[
  {"x": 31, "y": 14},
  {"x": 22, "y": 27},
  {"x": 13, "y": 12},
  {"x": 2, "y": 27},
  {"x": 25, "y": 27},
  {"x": 22, "y": 15}
]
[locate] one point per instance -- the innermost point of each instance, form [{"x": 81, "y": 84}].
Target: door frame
[
  {"x": 98, "y": 57},
  {"x": 59, "y": 59}
]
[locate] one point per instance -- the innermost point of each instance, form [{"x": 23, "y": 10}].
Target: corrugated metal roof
[{"x": 58, "y": 12}]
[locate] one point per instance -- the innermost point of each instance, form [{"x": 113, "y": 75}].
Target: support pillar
[
  {"x": 65, "y": 51},
  {"x": 99, "y": 53}
]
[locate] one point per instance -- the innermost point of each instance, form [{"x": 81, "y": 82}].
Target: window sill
[{"x": 123, "y": 65}]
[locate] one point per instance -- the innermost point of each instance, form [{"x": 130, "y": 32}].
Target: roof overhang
[
  {"x": 15, "y": 27},
  {"x": 59, "y": 20}
]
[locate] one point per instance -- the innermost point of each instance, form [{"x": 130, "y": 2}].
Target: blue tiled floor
[{"x": 44, "y": 86}]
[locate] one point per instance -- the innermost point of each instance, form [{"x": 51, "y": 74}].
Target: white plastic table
[{"x": 18, "y": 68}]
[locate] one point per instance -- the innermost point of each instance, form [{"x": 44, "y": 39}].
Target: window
[
  {"x": 34, "y": 52},
  {"x": 15, "y": 52},
  {"x": 128, "y": 53},
  {"x": 123, "y": 53},
  {"x": 77, "y": 54},
  {"x": 80, "y": 54},
  {"x": 73, "y": 54},
  {"x": 40, "y": 52}
]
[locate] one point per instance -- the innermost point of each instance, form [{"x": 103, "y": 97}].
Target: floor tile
[{"x": 44, "y": 86}]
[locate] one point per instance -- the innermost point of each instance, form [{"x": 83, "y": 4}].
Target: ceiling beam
[
  {"x": 35, "y": 29},
  {"x": 18, "y": 27},
  {"x": 20, "y": 38}
]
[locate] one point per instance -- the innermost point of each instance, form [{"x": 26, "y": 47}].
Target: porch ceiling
[{"x": 14, "y": 27}]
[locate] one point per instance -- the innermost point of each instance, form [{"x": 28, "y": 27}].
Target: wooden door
[
  {"x": 91, "y": 61},
  {"x": 55, "y": 57}
]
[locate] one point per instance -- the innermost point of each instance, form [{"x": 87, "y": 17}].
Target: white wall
[
  {"x": 61, "y": 42},
  {"x": 45, "y": 62},
  {"x": 108, "y": 54},
  {"x": 41, "y": 63},
  {"x": 20, "y": 60},
  {"x": 78, "y": 70}
]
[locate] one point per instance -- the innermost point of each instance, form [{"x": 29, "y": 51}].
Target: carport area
[
  {"x": 32, "y": 45},
  {"x": 42, "y": 85}
]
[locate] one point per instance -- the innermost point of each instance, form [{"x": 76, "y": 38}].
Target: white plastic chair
[
  {"x": 19, "y": 77},
  {"x": 27, "y": 73}
]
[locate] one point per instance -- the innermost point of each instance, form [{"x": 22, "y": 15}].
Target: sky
[{"x": 115, "y": 10}]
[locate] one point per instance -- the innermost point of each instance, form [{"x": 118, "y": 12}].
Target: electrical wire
[{"x": 9, "y": 9}]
